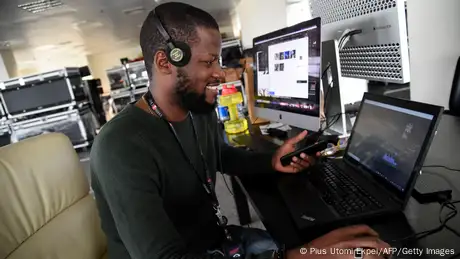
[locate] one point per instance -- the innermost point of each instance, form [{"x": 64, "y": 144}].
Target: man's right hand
[{"x": 342, "y": 240}]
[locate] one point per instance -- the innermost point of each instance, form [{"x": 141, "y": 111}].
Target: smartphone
[{"x": 309, "y": 150}]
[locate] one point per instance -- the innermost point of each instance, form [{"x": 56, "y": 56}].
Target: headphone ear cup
[{"x": 180, "y": 55}]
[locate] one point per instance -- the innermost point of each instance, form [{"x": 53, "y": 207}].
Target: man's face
[{"x": 196, "y": 81}]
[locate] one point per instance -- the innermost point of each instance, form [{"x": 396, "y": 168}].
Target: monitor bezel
[
  {"x": 435, "y": 111},
  {"x": 303, "y": 25}
]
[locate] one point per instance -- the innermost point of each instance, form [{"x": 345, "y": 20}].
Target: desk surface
[{"x": 264, "y": 196}]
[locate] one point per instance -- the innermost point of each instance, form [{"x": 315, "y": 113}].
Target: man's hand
[
  {"x": 298, "y": 163},
  {"x": 343, "y": 241}
]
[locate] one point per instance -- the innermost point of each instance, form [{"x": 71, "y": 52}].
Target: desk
[{"x": 268, "y": 203}]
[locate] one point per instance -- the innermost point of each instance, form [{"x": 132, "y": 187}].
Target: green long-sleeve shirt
[{"x": 150, "y": 200}]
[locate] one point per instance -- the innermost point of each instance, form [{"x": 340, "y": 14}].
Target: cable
[
  {"x": 326, "y": 93},
  {"x": 343, "y": 40},
  {"x": 336, "y": 118},
  {"x": 442, "y": 166},
  {"x": 325, "y": 70},
  {"x": 451, "y": 205},
  {"x": 333, "y": 121},
  {"x": 343, "y": 36},
  {"x": 443, "y": 223},
  {"x": 341, "y": 45}
]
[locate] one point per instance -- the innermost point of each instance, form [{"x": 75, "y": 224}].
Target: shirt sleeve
[{"x": 128, "y": 180}]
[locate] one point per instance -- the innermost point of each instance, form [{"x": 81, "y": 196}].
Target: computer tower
[{"x": 380, "y": 51}]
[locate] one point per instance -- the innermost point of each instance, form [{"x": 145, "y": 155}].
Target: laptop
[{"x": 385, "y": 153}]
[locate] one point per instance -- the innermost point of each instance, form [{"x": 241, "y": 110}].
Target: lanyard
[{"x": 206, "y": 183}]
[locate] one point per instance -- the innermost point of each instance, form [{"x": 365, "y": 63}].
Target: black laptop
[{"x": 385, "y": 153}]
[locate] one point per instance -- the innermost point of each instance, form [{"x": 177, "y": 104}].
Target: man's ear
[{"x": 161, "y": 62}]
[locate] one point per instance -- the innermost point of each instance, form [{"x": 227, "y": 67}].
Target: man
[{"x": 154, "y": 165}]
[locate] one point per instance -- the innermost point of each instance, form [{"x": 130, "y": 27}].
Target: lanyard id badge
[{"x": 206, "y": 183}]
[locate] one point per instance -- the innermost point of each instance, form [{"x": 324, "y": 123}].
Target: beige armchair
[{"x": 46, "y": 210}]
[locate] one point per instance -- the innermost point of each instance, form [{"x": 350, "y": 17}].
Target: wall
[
  {"x": 236, "y": 23},
  {"x": 434, "y": 40},
  {"x": 3, "y": 72},
  {"x": 8, "y": 67},
  {"x": 39, "y": 60},
  {"x": 298, "y": 12},
  {"x": 99, "y": 63},
  {"x": 258, "y": 17}
]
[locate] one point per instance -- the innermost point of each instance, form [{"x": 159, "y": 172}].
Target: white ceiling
[{"x": 84, "y": 27}]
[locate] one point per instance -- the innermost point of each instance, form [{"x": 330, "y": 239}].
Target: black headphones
[{"x": 178, "y": 52}]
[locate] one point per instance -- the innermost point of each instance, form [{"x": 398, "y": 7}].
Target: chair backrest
[
  {"x": 46, "y": 210},
  {"x": 454, "y": 101}
]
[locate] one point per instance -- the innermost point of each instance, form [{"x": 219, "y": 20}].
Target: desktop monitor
[
  {"x": 287, "y": 75},
  {"x": 380, "y": 52}
]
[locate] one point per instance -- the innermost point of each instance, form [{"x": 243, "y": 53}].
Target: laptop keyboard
[{"x": 341, "y": 192}]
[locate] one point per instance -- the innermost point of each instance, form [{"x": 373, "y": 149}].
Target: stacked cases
[{"x": 44, "y": 103}]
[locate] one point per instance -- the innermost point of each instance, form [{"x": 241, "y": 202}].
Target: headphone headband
[
  {"x": 179, "y": 53},
  {"x": 160, "y": 27}
]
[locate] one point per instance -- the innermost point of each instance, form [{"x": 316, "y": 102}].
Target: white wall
[
  {"x": 10, "y": 62},
  {"x": 434, "y": 45},
  {"x": 258, "y": 17},
  {"x": 99, "y": 63},
  {"x": 39, "y": 60},
  {"x": 298, "y": 12},
  {"x": 236, "y": 23},
  {"x": 3, "y": 72}
]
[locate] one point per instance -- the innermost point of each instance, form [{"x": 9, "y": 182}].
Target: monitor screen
[
  {"x": 288, "y": 69},
  {"x": 388, "y": 140},
  {"x": 40, "y": 96}
]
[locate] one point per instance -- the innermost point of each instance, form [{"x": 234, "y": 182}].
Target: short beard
[{"x": 189, "y": 99}]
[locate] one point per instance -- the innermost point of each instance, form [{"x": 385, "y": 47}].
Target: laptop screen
[{"x": 388, "y": 140}]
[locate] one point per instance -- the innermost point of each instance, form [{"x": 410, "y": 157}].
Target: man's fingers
[
  {"x": 303, "y": 162},
  {"x": 365, "y": 243},
  {"x": 296, "y": 167},
  {"x": 355, "y": 231},
  {"x": 297, "y": 138},
  {"x": 311, "y": 160}
]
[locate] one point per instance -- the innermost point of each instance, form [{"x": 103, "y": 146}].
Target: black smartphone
[{"x": 309, "y": 150}]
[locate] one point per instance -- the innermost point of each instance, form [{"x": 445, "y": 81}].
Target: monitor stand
[{"x": 332, "y": 81}]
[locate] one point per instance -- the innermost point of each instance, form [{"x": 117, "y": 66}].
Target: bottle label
[{"x": 223, "y": 113}]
